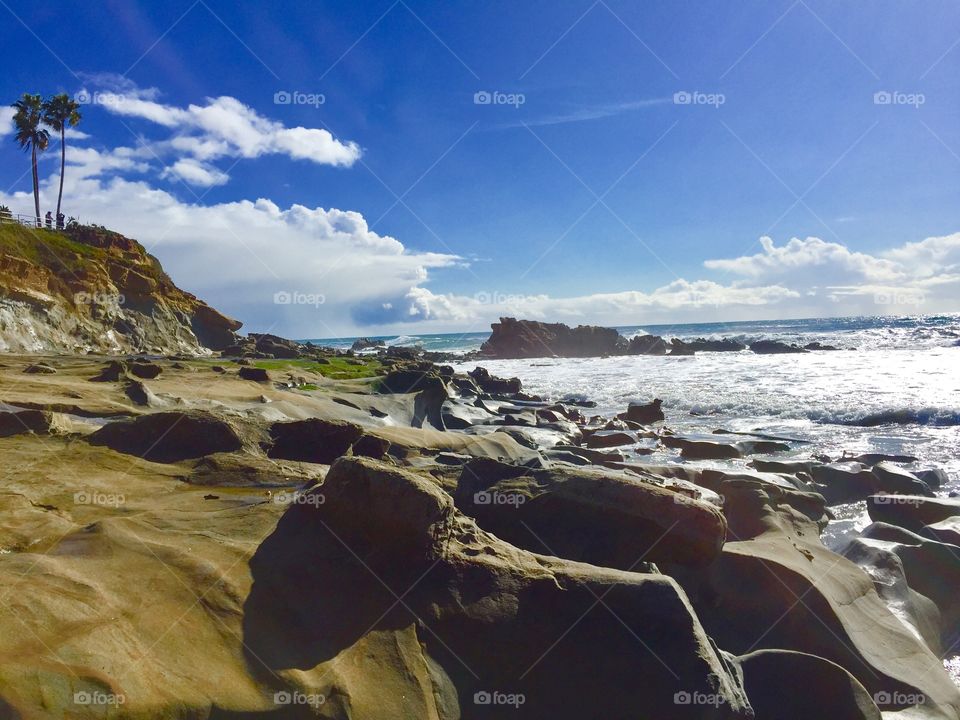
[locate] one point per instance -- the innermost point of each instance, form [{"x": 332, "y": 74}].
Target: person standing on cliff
[
  {"x": 49, "y": 220},
  {"x": 60, "y": 219}
]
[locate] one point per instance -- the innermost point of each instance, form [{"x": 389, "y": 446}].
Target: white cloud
[
  {"x": 812, "y": 258},
  {"x": 223, "y": 127},
  {"x": 6, "y": 121},
  {"x": 195, "y": 172}
]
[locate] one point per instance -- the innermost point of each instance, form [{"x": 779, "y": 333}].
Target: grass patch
[
  {"x": 335, "y": 368},
  {"x": 46, "y": 247}
]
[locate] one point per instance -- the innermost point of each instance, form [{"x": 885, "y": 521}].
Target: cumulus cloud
[
  {"x": 195, "y": 172},
  {"x": 813, "y": 257},
  {"x": 221, "y": 127}
]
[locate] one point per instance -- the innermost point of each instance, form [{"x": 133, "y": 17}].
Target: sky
[{"x": 325, "y": 169}]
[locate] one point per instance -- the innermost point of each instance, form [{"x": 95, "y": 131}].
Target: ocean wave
[{"x": 405, "y": 341}]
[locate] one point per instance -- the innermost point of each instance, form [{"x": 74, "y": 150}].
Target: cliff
[{"x": 91, "y": 289}]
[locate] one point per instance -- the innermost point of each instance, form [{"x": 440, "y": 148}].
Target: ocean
[{"x": 893, "y": 387}]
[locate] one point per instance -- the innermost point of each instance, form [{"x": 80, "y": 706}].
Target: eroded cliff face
[{"x": 91, "y": 289}]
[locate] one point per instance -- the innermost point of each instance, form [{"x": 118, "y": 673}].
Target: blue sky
[{"x": 628, "y": 163}]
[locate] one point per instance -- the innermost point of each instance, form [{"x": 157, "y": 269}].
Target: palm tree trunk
[
  {"x": 36, "y": 182},
  {"x": 63, "y": 160}
]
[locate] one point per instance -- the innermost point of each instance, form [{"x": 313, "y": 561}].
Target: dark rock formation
[
  {"x": 644, "y": 414},
  {"x": 774, "y": 347},
  {"x": 529, "y": 338},
  {"x": 313, "y": 440},
  {"x": 169, "y": 436},
  {"x": 255, "y": 374},
  {"x": 596, "y": 517}
]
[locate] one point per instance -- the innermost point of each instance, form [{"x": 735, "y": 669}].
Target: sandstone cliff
[{"x": 90, "y": 289}]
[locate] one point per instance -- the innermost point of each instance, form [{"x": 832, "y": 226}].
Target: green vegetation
[
  {"x": 336, "y": 368},
  {"x": 46, "y": 247}
]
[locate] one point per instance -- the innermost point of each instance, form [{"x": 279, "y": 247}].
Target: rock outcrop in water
[
  {"x": 512, "y": 338},
  {"x": 90, "y": 289}
]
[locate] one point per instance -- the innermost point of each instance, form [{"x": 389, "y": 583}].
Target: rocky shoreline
[{"x": 289, "y": 531}]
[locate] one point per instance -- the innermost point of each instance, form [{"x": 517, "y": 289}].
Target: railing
[{"x": 29, "y": 221}]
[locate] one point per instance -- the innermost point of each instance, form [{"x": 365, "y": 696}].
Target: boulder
[
  {"x": 275, "y": 346},
  {"x": 39, "y": 422},
  {"x": 713, "y": 447},
  {"x": 313, "y": 440},
  {"x": 254, "y": 374},
  {"x": 788, "y": 685},
  {"x": 513, "y": 338},
  {"x": 377, "y": 558},
  {"x": 609, "y": 438},
  {"x": 946, "y": 531},
  {"x": 644, "y": 414},
  {"x": 169, "y": 437},
  {"x": 819, "y": 346},
  {"x": 603, "y": 518},
  {"x": 911, "y": 511},
  {"x": 493, "y": 385}
]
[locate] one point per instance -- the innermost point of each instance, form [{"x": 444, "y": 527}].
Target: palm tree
[
  {"x": 30, "y": 135},
  {"x": 58, "y": 112}
]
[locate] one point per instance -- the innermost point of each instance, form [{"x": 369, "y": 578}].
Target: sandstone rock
[
  {"x": 609, "y": 438},
  {"x": 39, "y": 422},
  {"x": 314, "y": 440},
  {"x": 607, "y": 519},
  {"x": 712, "y": 447},
  {"x": 788, "y": 685},
  {"x": 276, "y": 346},
  {"x": 386, "y": 554},
  {"x": 783, "y": 590},
  {"x": 911, "y": 511},
  {"x": 169, "y": 436}
]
